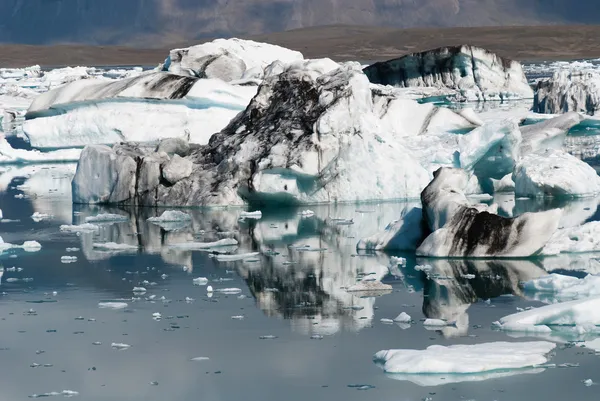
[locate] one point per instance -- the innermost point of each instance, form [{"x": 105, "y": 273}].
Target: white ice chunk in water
[
  {"x": 87, "y": 227},
  {"x": 307, "y": 213},
  {"x": 565, "y": 287},
  {"x": 106, "y": 218},
  {"x": 200, "y": 358},
  {"x": 584, "y": 312},
  {"x": 112, "y": 305},
  {"x": 233, "y": 258},
  {"x": 68, "y": 259},
  {"x": 403, "y": 318},
  {"x": 120, "y": 346},
  {"x": 139, "y": 290},
  {"x": 435, "y": 323},
  {"x": 171, "y": 216},
  {"x": 580, "y": 239},
  {"x": 465, "y": 359},
  {"x": 200, "y": 281},
  {"x": 37, "y": 216},
  {"x": 257, "y": 215},
  {"x": 228, "y": 291}
]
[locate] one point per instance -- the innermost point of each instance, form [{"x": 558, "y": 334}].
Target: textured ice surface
[
  {"x": 582, "y": 313},
  {"x": 465, "y": 359},
  {"x": 563, "y": 287},
  {"x": 578, "y": 239}
]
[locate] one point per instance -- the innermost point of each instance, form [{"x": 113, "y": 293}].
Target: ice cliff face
[
  {"x": 568, "y": 91},
  {"x": 475, "y": 73}
]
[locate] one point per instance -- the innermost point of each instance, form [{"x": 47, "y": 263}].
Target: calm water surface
[{"x": 55, "y": 337}]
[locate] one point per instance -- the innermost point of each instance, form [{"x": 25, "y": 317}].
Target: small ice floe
[
  {"x": 68, "y": 259},
  {"x": 120, "y": 346},
  {"x": 112, "y": 305},
  {"x": 564, "y": 287},
  {"x": 72, "y": 249},
  {"x": 316, "y": 337},
  {"x": 370, "y": 286},
  {"x": 64, "y": 393},
  {"x": 200, "y": 358},
  {"x": 106, "y": 218},
  {"x": 228, "y": 291},
  {"x": 239, "y": 317},
  {"x": 170, "y": 216},
  {"x": 588, "y": 382},
  {"x": 156, "y": 316},
  {"x": 234, "y": 258},
  {"x": 387, "y": 321},
  {"x": 268, "y": 337},
  {"x": 397, "y": 261},
  {"x": 189, "y": 300},
  {"x": 113, "y": 246},
  {"x": 139, "y": 290},
  {"x": 361, "y": 387},
  {"x": 583, "y": 315},
  {"x": 257, "y": 215},
  {"x": 200, "y": 281},
  {"x": 465, "y": 359},
  {"x": 204, "y": 245},
  {"x": 82, "y": 228},
  {"x": 37, "y": 216},
  {"x": 403, "y": 318},
  {"x": 423, "y": 268},
  {"x": 209, "y": 289},
  {"x": 436, "y": 323},
  {"x": 307, "y": 213},
  {"x": 468, "y": 276}
]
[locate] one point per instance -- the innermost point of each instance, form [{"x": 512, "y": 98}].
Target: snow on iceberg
[
  {"x": 227, "y": 59},
  {"x": 465, "y": 359},
  {"x": 555, "y": 173},
  {"x": 463, "y": 230},
  {"x": 583, "y": 313},
  {"x": 579, "y": 239},
  {"x": 475, "y": 73},
  {"x": 301, "y": 140}
]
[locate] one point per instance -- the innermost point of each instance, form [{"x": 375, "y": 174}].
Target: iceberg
[
  {"x": 300, "y": 140},
  {"x": 554, "y": 173},
  {"x": 145, "y": 108},
  {"x": 584, "y": 313},
  {"x": 475, "y": 73},
  {"x": 227, "y": 59},
  {"x": 579, "y": 239},
  {"x": 561, "y": 287},
  {"x": 465, "y": 359},
  {"x": 463, "y": 230},
  {"x": 106, "y": 218},
  {"x": 568, "y": 90}
]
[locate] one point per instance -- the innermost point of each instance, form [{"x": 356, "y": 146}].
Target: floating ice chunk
[
  {"x": 139, "y": 290},
  {"x": 37, "y": 216},
  {"x": 87, "y": 227},
  {"x": 307, "y": 213},
  {"x": 31, "y": 246},
  {"x": 228, "y": 291},
  {"x": 200, "y": 358},
  {"x": 257, "y": 215},
  {"x": 1, "y": 215},
  {"x": 200, "y": 281},
  {"x": 465, "y": 359},
  {"x": 120, "y": 346},
  {"x": 403, "y": 318},
  {"x": 436, "y": 323},
  {"x": 238, "y": 317},
  {"x": 209, "y": 289},
  {"x": 588, "y": 382},
  {"x": 171, "y": 216},
  {"x": 585, "y": 238},
  {"x": 106, "y": 218},
  {"x": 204, "y": 245},
  {"x": 112, "y": 305},
  {"x": 267, "y": 337},
  {"x": 370, "y": 286},
  {"x": 565, "y": 287},
  {"x": 68, "y": 259},
  {"x": 112, "y": 246},
  {"x": 386, "y": 321},
  {"x": 156, "y": 316},
  {"x": 233, "y": 258},
  {"x": 584, "y": 312},
  {"x": 554, "y": 173}
]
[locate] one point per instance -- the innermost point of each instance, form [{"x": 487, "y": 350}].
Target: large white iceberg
[
  {"x": 227, "y": 59},
  {"x": 554, "y": 173},
  {"x": 143, "y": 108},
  {"x": 465, "y": 359},
  {"x": 568, "y": 90},
  {"x": 302, "y": 139},
  {"x": 475, "y": 73}
]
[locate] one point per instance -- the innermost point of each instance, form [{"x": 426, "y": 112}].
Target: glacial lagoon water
[{"x": 290, "y": 332}]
